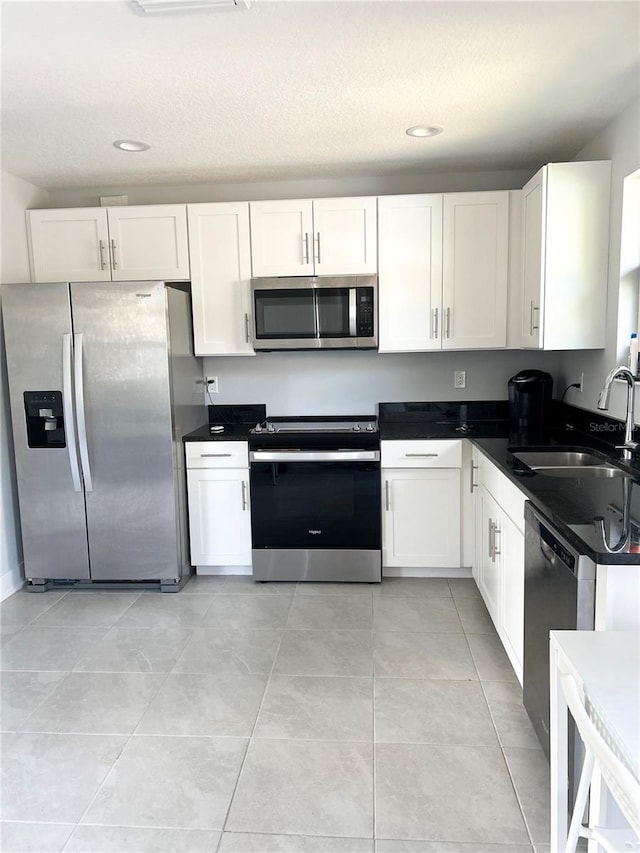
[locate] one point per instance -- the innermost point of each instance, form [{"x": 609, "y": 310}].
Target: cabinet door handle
[
  {"x": 113, "y": 255},
  {"x": 387, "y": 504},
  {"x": 244, "y": 496},
  {"x": 213, "y": 455},
  {"x": 496, "y": 550},
  {"x": 246, "y": 328},
  {"x": 491, "y": 540},
  {"x": 422, "y": 455},
  {"x": 434, "y": 332},
  {"x": 318, "y": 239},
  {"x": 102, "y": 263},
  {"x": 472, "y": 485},
  {"x": 305, "y": 247},
  {"x": 448, "y": 317},
  {"x": 533, "y": 327}
]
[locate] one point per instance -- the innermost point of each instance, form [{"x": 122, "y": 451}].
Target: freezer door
[
  {"x": 125, "y": 430},
  {"x": 37, "y": 328}
]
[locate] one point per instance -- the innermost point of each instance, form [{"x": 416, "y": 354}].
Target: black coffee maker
[{"x": 529, "y": 405}]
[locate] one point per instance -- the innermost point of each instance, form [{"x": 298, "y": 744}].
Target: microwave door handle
[
  {"x": 316, "y": 314},
  {"x": 353, "y": 313}
]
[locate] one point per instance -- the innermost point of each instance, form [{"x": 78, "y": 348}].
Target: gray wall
[
  {"x": 309, "y": 383},
  {"x": 322, "y": 188}
]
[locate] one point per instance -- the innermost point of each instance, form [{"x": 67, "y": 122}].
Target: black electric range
[{"x": 315, "y": 499}]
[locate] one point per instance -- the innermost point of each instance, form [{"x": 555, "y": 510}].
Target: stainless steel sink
[{"x": 568, "y": 463}]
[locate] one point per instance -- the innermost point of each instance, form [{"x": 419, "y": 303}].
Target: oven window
[
  {"x": 285, "y": 314},
  {"x": 333, "y": 312},
  {"x": 315, "y": 505}
]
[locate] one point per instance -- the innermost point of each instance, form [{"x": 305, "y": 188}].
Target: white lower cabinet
[
  {"x": 421, "y": 504},
  {"x": 219, "y": 508},
  {"x": 489, "y": 567},
  {"x": 499, "y": 554}
]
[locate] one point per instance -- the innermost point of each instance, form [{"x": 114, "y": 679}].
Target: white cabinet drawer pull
[
  {"x": 473, "y": 484},
  {"x": 214, "y": 455},
  {"x": 496, "y": 550},
  {"x": 422, "y": 455}
]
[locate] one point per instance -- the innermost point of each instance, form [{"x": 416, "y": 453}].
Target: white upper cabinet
[
  {"x": 148, "y": 242},
  {"x": 443, "y": 271},
  {"x": 562, "y": 291},
  {"x": 220, "y": 272},
  {"x": 475, "y": 267},
  {"x": 69, "y": 245},
  {"x": 410, "y": 272},
  {"x": 282, "y": 240},
  {"x": 135, "y": 243},
  {"x": 330, "y": 236}
]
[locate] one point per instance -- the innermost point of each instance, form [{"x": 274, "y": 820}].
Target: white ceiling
[{"x": 292, "y": 90}]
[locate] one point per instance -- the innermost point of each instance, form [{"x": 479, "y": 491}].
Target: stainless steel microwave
[{"x": 315, "y": 312}]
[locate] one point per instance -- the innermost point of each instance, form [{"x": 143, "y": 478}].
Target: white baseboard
[
  {"x": 11, "y": 582},
  {"x": 224, "y": 570},
  {"x": 412, "y": 572}
]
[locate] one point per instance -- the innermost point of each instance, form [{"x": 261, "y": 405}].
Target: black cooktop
[{"x": 340, "y": 431}]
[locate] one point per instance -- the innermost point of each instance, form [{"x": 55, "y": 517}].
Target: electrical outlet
[
  {"x": 460, "y": 379},
  {"x": 212, "y": 384}
]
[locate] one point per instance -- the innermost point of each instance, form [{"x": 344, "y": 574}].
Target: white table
[{"x": 606, "y": 667}]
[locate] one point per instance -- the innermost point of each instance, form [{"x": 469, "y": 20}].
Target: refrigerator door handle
[
  {"x": 82, "y": 426},
  {"x": 67, "y": 394}
]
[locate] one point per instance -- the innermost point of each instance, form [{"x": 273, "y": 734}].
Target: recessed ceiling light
[
  {"x": 423, "y": 130},
  {"x": 130, "y": 145},
  {"x": 172, "y": 7}
]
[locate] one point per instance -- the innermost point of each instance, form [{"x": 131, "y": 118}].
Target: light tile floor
[{"x": 233, "y": 716}]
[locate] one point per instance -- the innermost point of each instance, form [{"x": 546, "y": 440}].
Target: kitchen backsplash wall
[{"x": 301, "y": 383}]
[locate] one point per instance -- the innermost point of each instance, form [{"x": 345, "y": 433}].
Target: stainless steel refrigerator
[{"x": 103, "y": 385}]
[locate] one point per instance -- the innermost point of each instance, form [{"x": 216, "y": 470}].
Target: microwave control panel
[{"x": 364, "y": 313}]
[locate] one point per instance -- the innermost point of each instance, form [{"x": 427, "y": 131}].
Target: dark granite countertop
[
  {"x": 570, "y": 503},
  {"x": 232, "y": 432},
  {"x": 236, "y": 421}
]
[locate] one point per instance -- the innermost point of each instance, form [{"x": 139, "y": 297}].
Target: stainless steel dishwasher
[{"x": 559, "y": 594}]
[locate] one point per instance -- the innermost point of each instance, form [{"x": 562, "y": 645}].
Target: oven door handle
[{"x": 314, "y": 456}]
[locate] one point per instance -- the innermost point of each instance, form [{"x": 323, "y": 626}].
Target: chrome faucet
[{"x": 629, "y": 445}]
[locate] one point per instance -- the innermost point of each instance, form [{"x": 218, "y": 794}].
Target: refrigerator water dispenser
[{"x": 45, "y": 422}]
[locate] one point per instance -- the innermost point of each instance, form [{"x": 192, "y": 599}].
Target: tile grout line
[
  {"x": 518, "y": 798},
  {"x": 255, "y": 723},
  {"x": 374, "y": 775},
  {"x": 117, "y": 759}
]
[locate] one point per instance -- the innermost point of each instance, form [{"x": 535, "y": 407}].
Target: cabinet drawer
[
  {"x": 488, "y": 474},
  {"x": 436, "y": 453},
  {"x": 217, "y": 454}
]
